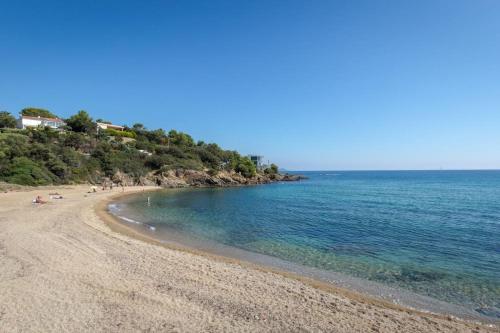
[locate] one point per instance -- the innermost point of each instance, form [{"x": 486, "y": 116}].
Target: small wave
[
  {"x": 129, "y": 220},
  {"x": 150, "y": 227},
  {"x": 114, "y": 209}
]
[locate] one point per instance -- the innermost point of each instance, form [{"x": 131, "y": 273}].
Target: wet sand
[{"x": 68, "y": 266}]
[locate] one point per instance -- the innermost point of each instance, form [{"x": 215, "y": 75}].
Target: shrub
[
  {"x": 125, "y": 134},
  {"x": 24, "y": 171}
]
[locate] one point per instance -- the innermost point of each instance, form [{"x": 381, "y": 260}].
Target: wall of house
[
  {"x": 102, "y": 125},
  {"x": 29, "y": 123},
  {"x": 26, "y": 122}
]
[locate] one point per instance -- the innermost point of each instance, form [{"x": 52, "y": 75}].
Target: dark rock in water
[
  {"x": 490, "y": 312},
  {"x": 413, "y": 275},
  {"x": 288, "y": 177}
]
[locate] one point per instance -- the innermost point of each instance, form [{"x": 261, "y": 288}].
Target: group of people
[
  {"x": 111, "y": 185},
  {"x": 93, "y": 189},
  {"x": 39, "y": 199}
]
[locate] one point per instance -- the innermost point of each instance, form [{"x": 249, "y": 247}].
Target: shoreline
[
  {"x": 66, "y": 267},
  {"x": 119, "y": 225}
]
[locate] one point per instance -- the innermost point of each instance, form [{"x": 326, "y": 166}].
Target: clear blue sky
[{"x": 309, "y": 84}]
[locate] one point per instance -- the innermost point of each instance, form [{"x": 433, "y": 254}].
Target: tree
[
  {"x": 180, "y": 139},
  {"x": 157, "y": 136},
  {"x": 246, "y": 167},
  {"x": 37, "y": 112},
  {"x": 138, "y": 127},
  {"x": 81, "y": 122},
  {"x": 7, "y": 120},
  {"x": 272, "y": 170}
]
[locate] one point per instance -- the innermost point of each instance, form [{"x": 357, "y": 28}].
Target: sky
[{"x": 311, "y": 85}]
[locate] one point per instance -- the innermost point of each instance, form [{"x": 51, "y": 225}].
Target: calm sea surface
[{"x": 435, "y": 233}]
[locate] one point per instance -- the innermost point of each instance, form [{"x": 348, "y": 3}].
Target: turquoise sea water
[{"x": 436, "y": 233}]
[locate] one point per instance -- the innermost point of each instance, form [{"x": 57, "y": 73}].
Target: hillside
[{"x": 81, "y": 152}]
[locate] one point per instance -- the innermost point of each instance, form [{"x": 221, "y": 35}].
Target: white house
[
  {"x": 257, "y": 160},
  {"x": 110, "y": 126},
  {"x": 29, "y": 121}
]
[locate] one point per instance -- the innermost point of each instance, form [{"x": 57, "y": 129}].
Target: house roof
[{"x": 43, "y": 118}]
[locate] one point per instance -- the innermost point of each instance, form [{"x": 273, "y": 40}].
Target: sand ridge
[{"x": 64, "y": 270}]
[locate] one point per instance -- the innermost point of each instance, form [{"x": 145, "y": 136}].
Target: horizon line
[{"x": 386, "y": 170}]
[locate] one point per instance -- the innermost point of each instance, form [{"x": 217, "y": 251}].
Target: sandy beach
[{"x": 67, "y": 267}]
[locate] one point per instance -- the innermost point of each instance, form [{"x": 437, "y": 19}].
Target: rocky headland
[{"x": 196, "y": 178}]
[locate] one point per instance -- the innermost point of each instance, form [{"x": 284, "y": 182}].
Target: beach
[{"x": 68, "y": 266}]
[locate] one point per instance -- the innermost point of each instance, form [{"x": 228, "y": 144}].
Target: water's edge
[{"x": 372, "y": 289}]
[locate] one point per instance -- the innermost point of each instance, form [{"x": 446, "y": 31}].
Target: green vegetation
[
  {"x": 7, "y": 120},
  {"x": 40, "y": 156},
  {"x": 125, "y": 134},
  {"x": 37, "y": 112},
  {"x": 272, "y": 170},
  {"x": 81, "y": 122}
]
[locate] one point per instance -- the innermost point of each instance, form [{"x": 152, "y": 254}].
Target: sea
[{"x": 427, "y": 239}]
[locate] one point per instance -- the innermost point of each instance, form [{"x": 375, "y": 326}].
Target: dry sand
[{"x": 63, "y": 269}]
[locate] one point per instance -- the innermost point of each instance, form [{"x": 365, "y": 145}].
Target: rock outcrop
[{"x": 196, "y": 178}]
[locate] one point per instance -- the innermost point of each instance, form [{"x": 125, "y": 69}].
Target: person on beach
[{"x": 39, "y": 200}]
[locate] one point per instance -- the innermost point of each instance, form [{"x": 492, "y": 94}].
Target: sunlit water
[{"x": 436, "y": 233}]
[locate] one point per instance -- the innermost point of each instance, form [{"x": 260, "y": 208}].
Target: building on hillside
[
  {"x": 105, "y": 126},
  {"x": 257, "y": 160},
  {"x": 29, "y": 121},
  {"x": 145, "y": 152}
]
